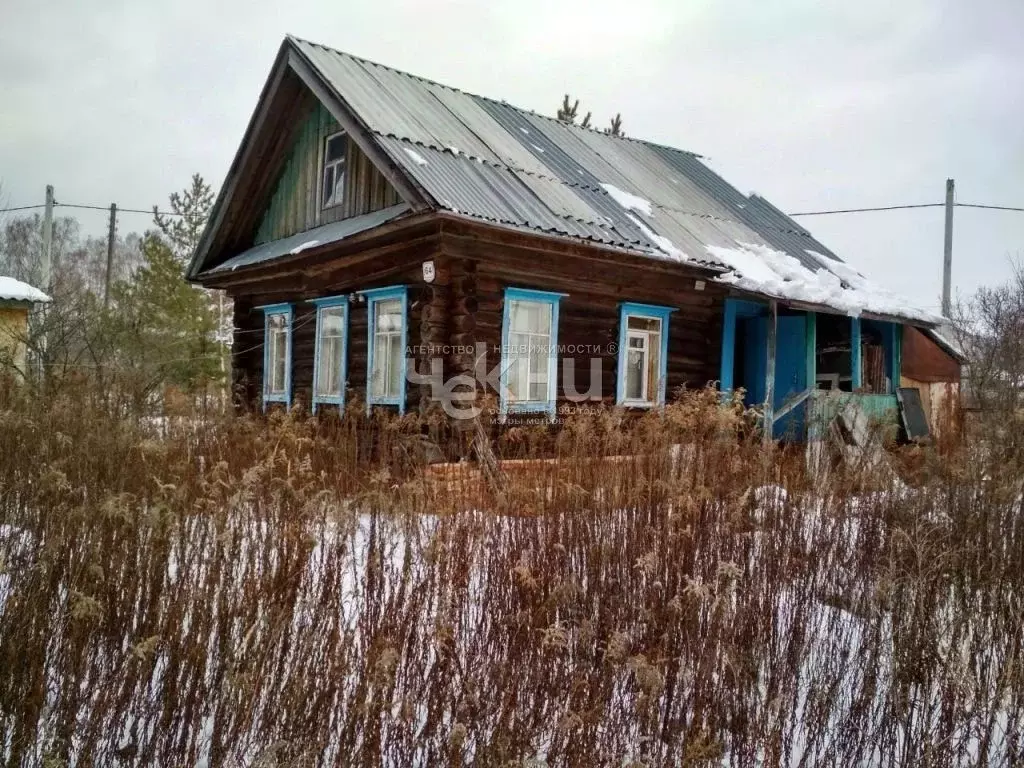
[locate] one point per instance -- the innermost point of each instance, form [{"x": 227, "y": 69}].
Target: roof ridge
[{"x": 363, "y": 60}]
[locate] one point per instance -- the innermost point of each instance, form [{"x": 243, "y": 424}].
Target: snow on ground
[
  {"x": 15, "y": 290},
  {"x": 415, "y": 156}
]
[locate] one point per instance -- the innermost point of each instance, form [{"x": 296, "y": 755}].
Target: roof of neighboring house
[
  {"x": 489, "y": 161},
  {"x": 15, "y": 290}
]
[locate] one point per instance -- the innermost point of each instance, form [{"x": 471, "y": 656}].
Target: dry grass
[{"x": 245, "y": 593}]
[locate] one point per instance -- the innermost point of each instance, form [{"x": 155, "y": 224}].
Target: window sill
[{"x": 639, "y": 404}]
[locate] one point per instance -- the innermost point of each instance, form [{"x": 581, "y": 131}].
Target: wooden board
[{"x": 912, "y": 414}]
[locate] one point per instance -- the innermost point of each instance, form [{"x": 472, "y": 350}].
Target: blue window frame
[
  {"x": 387, "y": 326},
  {"x": 643, "y": 355},
  {"x": 277, "y": 354},
  {"x": 529, "y": 351},
  {"x": 330, "y": 357}
]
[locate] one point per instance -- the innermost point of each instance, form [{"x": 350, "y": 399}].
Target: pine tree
[
  {"x": 182, "y": 229},
  {"x": 164, "y": 327},
  {"x": 567, "y": 112},
  {"x": 184, "y": 225},
  {"x": 615, "y": 129}
]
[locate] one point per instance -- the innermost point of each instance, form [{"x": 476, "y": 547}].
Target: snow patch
[
  {"x": 628, "y": 200},
  {"x": 762, "y": 269},
  {"x": 539, "y": 149},
  {"x": 664, "y": 244},
  {"x": 455, "y": 151},
  {"x": 301, "y": 248},
  {"x": 15, "y": 290},
  {"x": 415, "y": 156}
]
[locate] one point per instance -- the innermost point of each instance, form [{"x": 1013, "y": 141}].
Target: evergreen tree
[
  {"x": 615, "y": 129},
  {"x": 567, "y": 112},
  {"x": 190, "y": 210},
  {"x": 164, "y": 327}
]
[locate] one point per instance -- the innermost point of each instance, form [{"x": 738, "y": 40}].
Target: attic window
[{"x": 334, "y": 169}]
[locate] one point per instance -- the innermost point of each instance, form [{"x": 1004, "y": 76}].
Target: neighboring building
[
  {"x": 373, "y": 221},
  {"x": 16, "y": 299},
  {"x": 932, "y": 365}
]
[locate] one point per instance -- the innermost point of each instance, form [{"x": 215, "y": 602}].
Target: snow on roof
[
  {"x": 762, "y": 269},
  {"x": 15, "y": 290},
  {"x": 628, "y": 200},
  {"x": 415, "y": 156}
]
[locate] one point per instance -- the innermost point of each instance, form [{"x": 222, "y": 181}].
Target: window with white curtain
[
  {"x": 387, "y": 349},
  {"x": 529, "y": 354},
  {"x": 277, "y": 345},
  {"x": 329, "y": 356},
  {"x": 385, "y": 375}
]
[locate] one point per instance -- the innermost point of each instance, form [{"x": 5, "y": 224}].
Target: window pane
[
  {"x": 634, "y": 374},
  {"x": 395, "y": 353},
  {"x": 539, "y": 369},
  {"x": 389, "y": 315},
  {"x": 653, "y": 366},
  {"x": 530, "y": 317},
  {"x": 336, "y": 147},
  {"x": 638, "y": 323}
]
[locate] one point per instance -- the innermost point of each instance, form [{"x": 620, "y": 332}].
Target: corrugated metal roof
[
  {"x": 16, "y": 290},
  {"x": 489, "y": 160},
  {"x": 312, "y": 238}
]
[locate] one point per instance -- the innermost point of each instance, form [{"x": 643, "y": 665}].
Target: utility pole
[
  {"x": 47, "y": 266},
  {"x": 110, "y": 253},
  {"x": 947, "y": 256}
]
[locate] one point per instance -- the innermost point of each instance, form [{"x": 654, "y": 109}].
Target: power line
[
  {"x": 22, "y": 208},
  {"x": 989, "y": 207},
  {"x": 149, "y": 212},
  {"x": 904, "y": 207},
  {"x": 869, "y": 210}
]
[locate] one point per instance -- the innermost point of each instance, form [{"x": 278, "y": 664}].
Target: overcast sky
[{"x": 812, "y": 104}]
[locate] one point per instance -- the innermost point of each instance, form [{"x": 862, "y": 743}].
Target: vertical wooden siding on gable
[{"x": 295, "y": 204}]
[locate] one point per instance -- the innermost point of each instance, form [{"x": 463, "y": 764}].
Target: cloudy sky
[{"x": 812, "y": 104}]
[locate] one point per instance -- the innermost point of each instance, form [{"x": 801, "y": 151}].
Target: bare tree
[{"x": 990, "y": 330}]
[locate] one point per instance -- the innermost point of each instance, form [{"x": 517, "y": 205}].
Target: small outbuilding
[{"x": 16, "y": 301}]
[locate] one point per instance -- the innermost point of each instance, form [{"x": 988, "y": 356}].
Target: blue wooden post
[
  {"x": 855, "y": 352},
  {"x": 895, "y": 350},
  {"x": 811, "y": 349},
  {"x": 811, "y": 353},
  {"x": 728, "y": 346}
]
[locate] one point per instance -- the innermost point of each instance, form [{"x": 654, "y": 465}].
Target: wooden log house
[{"x": 396, "y": 242}]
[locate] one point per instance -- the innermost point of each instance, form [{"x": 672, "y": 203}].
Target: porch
[{"x": 804, "y": 367}]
